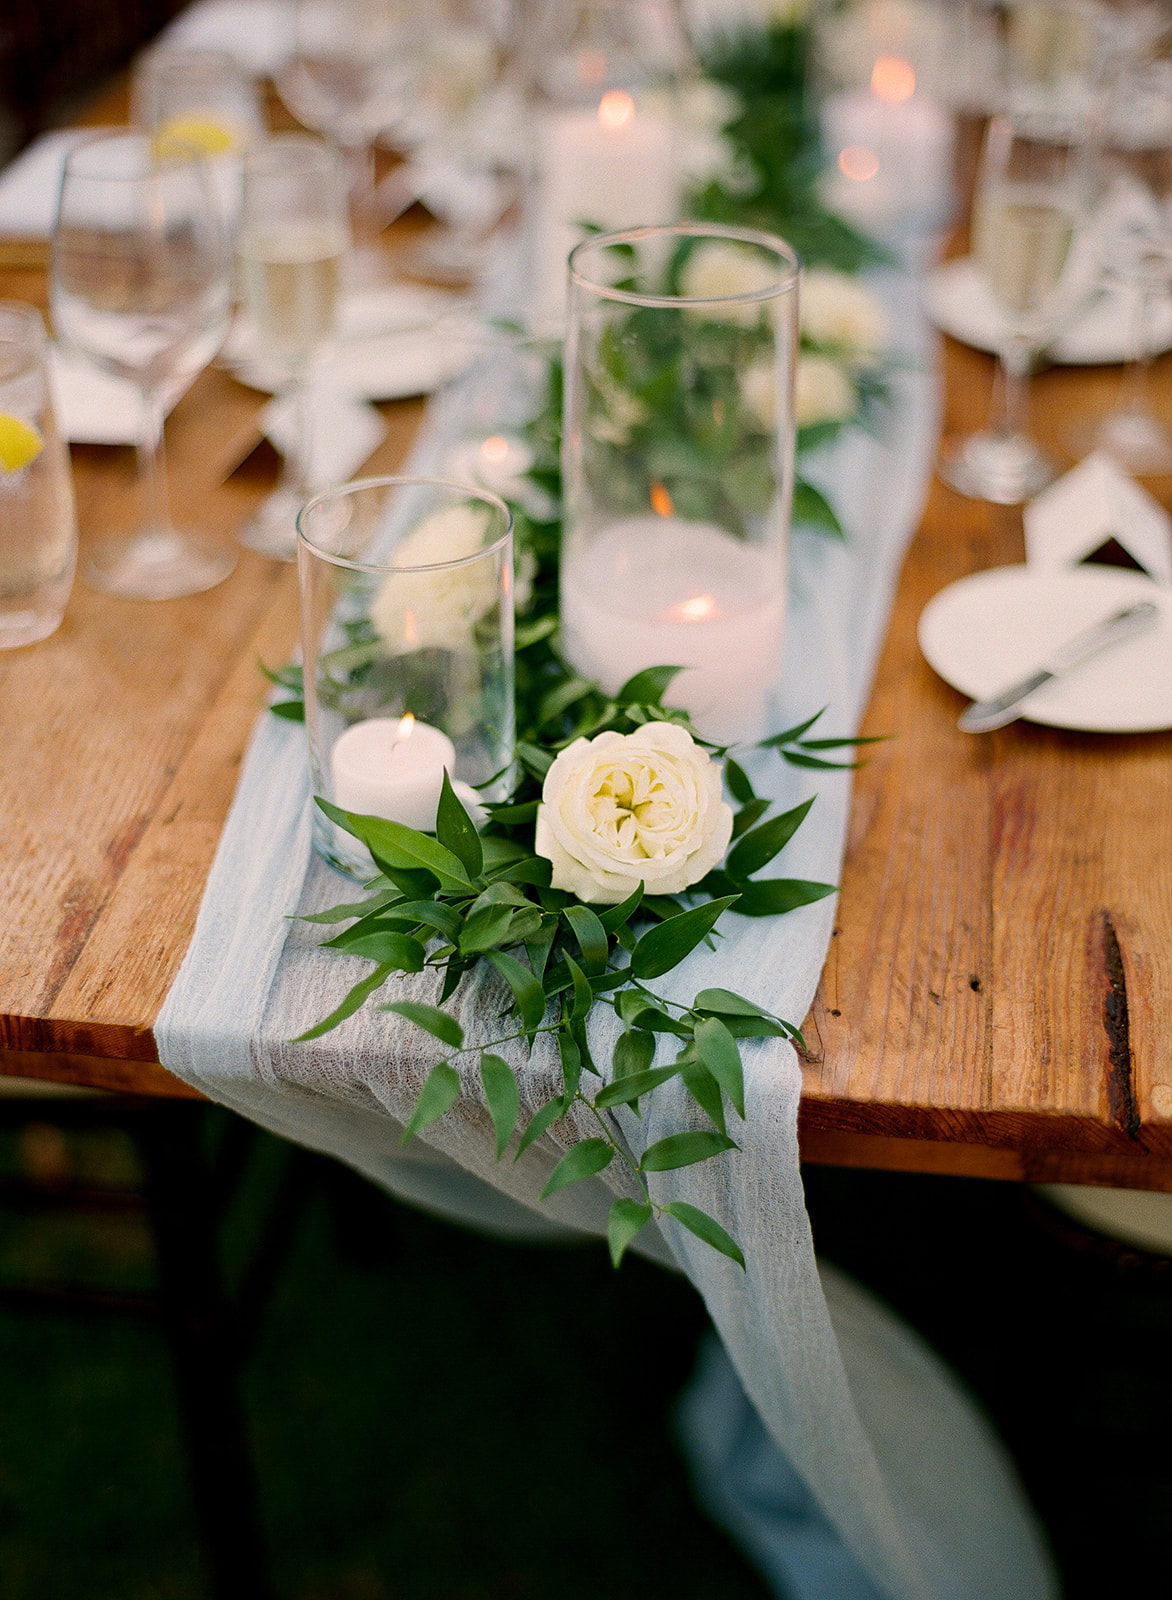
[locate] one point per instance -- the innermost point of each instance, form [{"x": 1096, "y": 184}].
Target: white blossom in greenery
[
  {"x": 699, "y": 110},
  {"x": 623, "y": 809},
  {"x": 839, "y": 314},
  {"x": 823, "y": 391},
  {"x": 440, "y": 604},
  {"x": 718, "y": 270},
  {"x": 624, "y": 412}
]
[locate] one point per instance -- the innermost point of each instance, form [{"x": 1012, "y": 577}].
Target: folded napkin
[
  {"x": 30, "y": 186},
  {"x": 259, "y": 33},
  {"x": 912, "y": 1491}
]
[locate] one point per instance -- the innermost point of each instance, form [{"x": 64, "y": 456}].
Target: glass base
[
  {"x": 1134, "y": 440},
  {"x": 272, "y": 529},
  {"x": 1002, "y": 468},
  {"x": 27, "y": 626},
  {"x": 162, "y": 564}
]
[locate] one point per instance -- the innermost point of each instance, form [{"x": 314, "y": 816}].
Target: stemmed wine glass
[
  {"x": 1028, "y": 211},
  {"x": 292, "y": 239},
  {"x": 140, "y": 286},
  {"x": 347, "y": 79}
]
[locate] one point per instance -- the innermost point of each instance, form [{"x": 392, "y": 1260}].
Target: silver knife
[{"x": 999, "y": 709}]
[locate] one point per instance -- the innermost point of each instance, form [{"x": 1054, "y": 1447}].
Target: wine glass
[
  {"x": 347, "y": 80},
  {"x": 1028, "y": 211},
  {"x": 140, "y": 286},
  {"x": 202, "y": 98},
  {"x": 293, "y": 236}
]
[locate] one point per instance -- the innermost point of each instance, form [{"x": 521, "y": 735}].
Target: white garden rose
[
  {"x": 623, "y": 809},
  {"x": 823, "y": 392},
  {"x": 837, "y": 312},
  {"x": 717, "y": 270},
  {"x": 417, "y": 610}
]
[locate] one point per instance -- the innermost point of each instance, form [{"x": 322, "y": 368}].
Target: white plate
[
  {"x": 957, "y": 300},
  {"x": 393, "y": 342},
  {"x": 988, "y": 630}
]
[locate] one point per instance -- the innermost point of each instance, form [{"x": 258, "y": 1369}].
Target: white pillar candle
[
  {"x": 614, "y": 165},
  {"x": 659, "y": 591},
  {"x": 392, "y": 767},
  {"x": 892, "y": 148}
]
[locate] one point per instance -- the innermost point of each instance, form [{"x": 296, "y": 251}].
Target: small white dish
[
  {"x": 959, "y": 303},
  {"x": 986, "y": 631},
  {"x": 392, "y": 342}
]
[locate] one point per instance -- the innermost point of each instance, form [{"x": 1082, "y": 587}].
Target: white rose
[
  {"x": 839, "y": 313},
  {"x": 759, "y": 388},
  {"x": 823, "y": 392},
  {"x": 439, "y": 606},
  {"x": 623, "y": 809},
  {"x": 716, "y": 270}
]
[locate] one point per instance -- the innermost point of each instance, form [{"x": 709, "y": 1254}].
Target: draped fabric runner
[{"x": 912, "y": 1496}]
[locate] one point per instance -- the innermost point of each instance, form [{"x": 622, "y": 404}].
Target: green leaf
[
  {"x": 497, "y": 925},
  {"x": 348, "y": 1006},
  {"x": 431, "y": 1019},
  {"x": 534, "y": 758},
  {"x": 811, "y": 509},
  {"x": 441, "y": 1090},
  {"x": 726, "y": 1003},
  {"x": 538, "y": 1123},
  {"x": 527, "y": 992},
  {"x": 704, "y": 1089},
  {"x": 615, "y": 917},
  {"x": 634, "y": 1051},
  {"x": 718, "y": 1051},
  {"x": 788, "y": 736},
  {"x": 684, "y": 1149},
  {"x": 444, "y": 919},
  {"x": 355, "y": 908},
  {"x": 626, "y": 1219},
  {"x": 760, "y": 846},
  {"x": 388, "y": 947},
  {"x": 630, "y": 1087},
  {"x": 501, "y": 1096},
  {"x": 705, "y": 1228},
  {"x": 664, "y": 947},
  {"x": 590, "y": 934},
  {"x": 455, "y": 830},
  {"x": 797, "y": 759},
  {"x": 772, "y": 897},
  {"x": 646, "y": 686},
  {"x": 583, "y": 1161},
  {"x": 570, "y": 1056},
  {"x": 738, "y": 782},
  {"x": 583, "y": 994},
  {"x": 395, "y": 846},
  {"x": 289, "y": 710}
]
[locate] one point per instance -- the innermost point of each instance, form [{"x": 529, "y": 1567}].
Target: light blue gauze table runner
[{"x": 887, "y": 1482}]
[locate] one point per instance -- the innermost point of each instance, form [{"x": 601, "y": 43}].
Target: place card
[{"x": 1095, "y": 505}]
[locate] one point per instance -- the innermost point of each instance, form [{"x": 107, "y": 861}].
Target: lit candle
[
  {"x": 613, "y": 165},
  {"x": 498, "y": 462},
  {"x": 659, "y": 591},
  {"x": 892, "y": 149},
  {"x": 394, "y": 768}
]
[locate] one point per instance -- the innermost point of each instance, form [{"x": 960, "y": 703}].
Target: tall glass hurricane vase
[
  {"x": 1028, "y": 213},
  {"x": 407, "y": 642},
  {"x": 140, "y": 286},
  {"x": 678, "y": 465}
]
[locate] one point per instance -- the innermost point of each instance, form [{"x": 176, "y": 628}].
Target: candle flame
[
  {"x": 858, "y": 163},
  {"x": 410, "y": 629},
  {"x": 893, "y": 80},
  {"x": 495, "y": 449},
  {"x": 615, "y": 109},
  {"x": 404, "y": 731},
  {"x": 698, "y": 609},
  {"x": 661, "y": 501}
]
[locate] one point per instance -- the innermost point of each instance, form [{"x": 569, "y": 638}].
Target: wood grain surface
[{"x": 993, "y": 998}]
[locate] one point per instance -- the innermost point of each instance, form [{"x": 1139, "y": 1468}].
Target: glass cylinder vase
[
  {"x": 678, "y": 448},
  {"x": 407, "y": 642}
]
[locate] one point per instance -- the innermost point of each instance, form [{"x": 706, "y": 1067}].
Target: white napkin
[
  {"x": 92, "y": 407},
  {"x": 31, "y": 185},
  {"x": 344, "y": 433},
  {"x": 259, "y": 33}
]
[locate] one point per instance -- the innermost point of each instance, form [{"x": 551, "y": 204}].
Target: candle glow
[
  {"x": 615, "y": 109},
  {"x": 858, "y": 163},
  {"x": 893, "y": 80},
  {"x": 698, "y": 609},
  {"x": 661, "y": 501}
]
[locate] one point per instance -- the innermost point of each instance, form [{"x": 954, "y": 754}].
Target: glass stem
[
  {"x": 152, "y": 469},
  {"x": 1133, "y": 396},
  {"x": 360, "y": 175},
  {"x": 294, "y": 477},
  {"x": 1010, "y": 415}
]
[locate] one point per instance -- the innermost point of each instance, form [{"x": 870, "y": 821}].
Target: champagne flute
[
  {"x": 293, "y": 237},
  {"x": 140, "y": 286},
  {"x": 1027, "y": 215},
  {"x": 347, "y": 80}
]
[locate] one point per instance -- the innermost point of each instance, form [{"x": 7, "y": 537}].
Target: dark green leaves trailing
[
  {"x": 772, "y": 897},
  {"x": 583, "y": 1161},
  {"x": 441, "y": 1090},
  {"x": 431, "y": 1019},
  {"x": 501, "y": 1097},
  {"x": 717, "y": 1049},
  {"x": 456, "y": 832},
  {"x": 627, "y": 1218},
  {"x": 662, "y": 948},
  {"x": 527, "y": 992},
  {"x": 705, "y": 1228},
  {"x": 684, "y": 1149},
  {"x": 756, "y": 849}
]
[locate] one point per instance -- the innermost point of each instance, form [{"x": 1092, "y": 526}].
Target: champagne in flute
[
  {"x": 1023, "y": 239},
  {"x": 293, "y": 238}
]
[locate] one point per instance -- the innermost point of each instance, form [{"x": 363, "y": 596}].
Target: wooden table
[{"x": 995, "y": 994}]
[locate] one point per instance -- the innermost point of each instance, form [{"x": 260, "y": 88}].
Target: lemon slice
[
  {"x": 201, "y": 133},
  {"x": 20, "y": 443}
]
